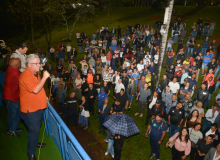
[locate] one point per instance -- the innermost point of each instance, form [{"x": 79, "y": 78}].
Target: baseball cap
[
  {"x": 102, "y": 89},
  {"x": 215, "y": 105},
  {"x": 158, "y": 101}
]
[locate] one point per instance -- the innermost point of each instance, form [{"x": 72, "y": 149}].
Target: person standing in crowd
[
  {"x": 92, "y": 94},
  {"x": 103, "y": 113},
  {"x": 194, "y": 135},
  {"x": 142, "y": 95},
  {"x": 213, "y": 130},
  {"x": 182, "y": 144},
  {"x": 213, "y": 153},
  {"x": 131, "y": 91},
  {"x": 201, "y": 94},
  {"x": 119, "y": 85},
  {"x": 61, "y": 93},
  {"x": 174, "y": 86},
  {"x": 157, "y": 131},
  {"x": 31, "y": 86},
  {"x": 101, "y": 97},
  {"x": 210, "y": 117},
  {"x": 175, "y": 118},
  {"x": 167, "y": 94},
  {"x": 11, "y": 98},
  {"x": 123, "y": 98},
  {"x": 71, "y": 108},
  {"x": 203, "y": 147},
  {"x": 83, "y": 118},
  {"x": 20, "y": 53}
]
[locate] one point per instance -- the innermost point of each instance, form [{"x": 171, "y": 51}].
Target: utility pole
[
  {"x": 164, "y": 32},
  {"x": 32, "y": 24}
]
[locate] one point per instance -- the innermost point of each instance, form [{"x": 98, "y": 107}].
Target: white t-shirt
[
  {"x": 77, "y": 35},
  {"x": 93, "y": 42},
  {"x": 68, "y": 48},
  {"x": 140, "y": 67},
  {"x": 100, "y": 43},
  {"x": 118, "y": 87},
  {"x": 156, "y": 58},
  {"x": 55, "y": 81},
  {"x": 103, "y": 58},
  {"x": 127, "y": 64},
  {"x": 174, "y": 86},
  {"x": 153, "y": 101}
]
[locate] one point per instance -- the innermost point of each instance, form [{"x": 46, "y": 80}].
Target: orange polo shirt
[{"x": 29, "y": 101}]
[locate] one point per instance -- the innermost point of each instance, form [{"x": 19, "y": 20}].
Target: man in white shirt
[
  {"x": 77, "y": 36},
  {"x": 20, "y": 53},
  {"x": 174, "y": 86},
  {"x": 140, "y": 67},
  {"x": 210, "y": 117},
  {"x": 68, "y": 49},
  {"x": 93, "y": 42},
  {"x": 119, "y": 86}
]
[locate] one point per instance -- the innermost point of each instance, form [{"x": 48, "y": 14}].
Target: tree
[
  {"x": 167, "y": 18},
  {"x": 77, "y": 9}
]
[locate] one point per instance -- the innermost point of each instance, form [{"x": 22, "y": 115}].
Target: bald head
[{"x": 15, "y": 62}]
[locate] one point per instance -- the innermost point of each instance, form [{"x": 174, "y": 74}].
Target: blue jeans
[
  {"x": 155, "y": 147},
  {"x": 68, "y": 55},
  {"x": 134, "y": 47},
  {"x": 59, "y": 74},
  {"x": 13, "y": 117},
  {"x": 217, "y": 86},
  {"x": 210, "y": 32},
  {"x": 168, "y": 49},
  {"x": 103, "y": 64},
  {"x": 83, "y": 120},
  {"x": 61, "y": 107},
  {"x": 204, "y": 50},
  {"x": 130, "y": 98},
  {"x": 208, "y": 100},
  {"x": 175, "y": 38},
  {"x": 101, "y": 118},
  {"x": 69, "y": 115},
  {"x": 189, "y": 50},
  {"x": 108, "y": 62},
  {"x": 80, "y": 49},
  {"x": 33, "y": 122},
  {"x": 205, "y": 34},
  {"x": 172, "y": 129},
  {"x": 206, "y": 124},
  {"x": 169, "y": 61},
  {"x": 61, "y": 60},
  {"x": 110, "y": 147},
  {"x": 216, "y": 72}
]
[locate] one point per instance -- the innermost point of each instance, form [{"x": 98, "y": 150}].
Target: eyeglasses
[{"x": 36, "y": 63}]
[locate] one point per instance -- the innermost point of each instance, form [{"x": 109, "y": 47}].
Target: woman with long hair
[
  {"x": 192, "y": 119},
  {"x": 182, "y": 144},
  {"x": 194, "y": 135}
]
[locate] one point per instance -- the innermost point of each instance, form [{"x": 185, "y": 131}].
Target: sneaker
[
  {"x": 136, "y": 114},
  {"x": 152, "y": 155},
  {"x": 113, "y": 156},
  {"x": 106, "y": 140},
  {"x": 106, "y": 153},
  {"x": 60, "y": 112},
  {"x": 141, "y": 115},
  {"x": 129, "y": 109}
]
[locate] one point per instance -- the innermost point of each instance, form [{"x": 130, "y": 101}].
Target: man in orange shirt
[
  {"x": 207, "y": 75},
  {"x": 33, "y": 101}
]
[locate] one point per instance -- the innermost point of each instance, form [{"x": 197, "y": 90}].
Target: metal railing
[{"x": 55, "y": 127}]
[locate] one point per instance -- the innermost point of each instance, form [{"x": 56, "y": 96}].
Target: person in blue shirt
[
  {"x": 136, "y": 76},
  {"x": 94, "y": 35},
  {"x": 206, "y": 60},
  {"x": 205, "y": 44},
  {"x": 101, "y": 98},
  {"x": 157, "y": 130}
]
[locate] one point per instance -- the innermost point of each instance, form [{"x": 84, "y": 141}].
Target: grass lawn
[{"x": 136, "y": 147}]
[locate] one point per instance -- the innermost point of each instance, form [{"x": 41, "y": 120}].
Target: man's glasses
[{"x": 36, "y": 63}]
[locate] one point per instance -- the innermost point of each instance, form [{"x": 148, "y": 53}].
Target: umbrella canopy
[
  {"x": 122, "y": 124},
  {"x": 88, "y": 48},
  {"x": 128, "y": 55}
]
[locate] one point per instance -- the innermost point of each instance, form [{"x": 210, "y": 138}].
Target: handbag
[
  {"x": 171, "y": 144},
  {"x": 87, "y": 114}
]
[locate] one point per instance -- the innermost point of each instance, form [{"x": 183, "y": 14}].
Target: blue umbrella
[
  {"x": 122, "y": 124},
  {"x": 88, "y": 48}
]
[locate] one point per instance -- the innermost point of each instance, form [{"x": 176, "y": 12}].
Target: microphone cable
[{"x": 45, "y": 118}]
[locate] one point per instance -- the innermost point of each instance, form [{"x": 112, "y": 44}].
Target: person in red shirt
[
  {"x": 108, "y": 58},
  {"x": 11, "y": 96}
]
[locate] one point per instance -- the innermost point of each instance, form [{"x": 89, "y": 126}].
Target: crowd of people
[{"x": 170, "y": 107}]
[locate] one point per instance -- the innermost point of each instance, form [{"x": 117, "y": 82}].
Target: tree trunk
[
  {"x": 32, "y": 24},
  {"x": 167, "y": 18}
]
